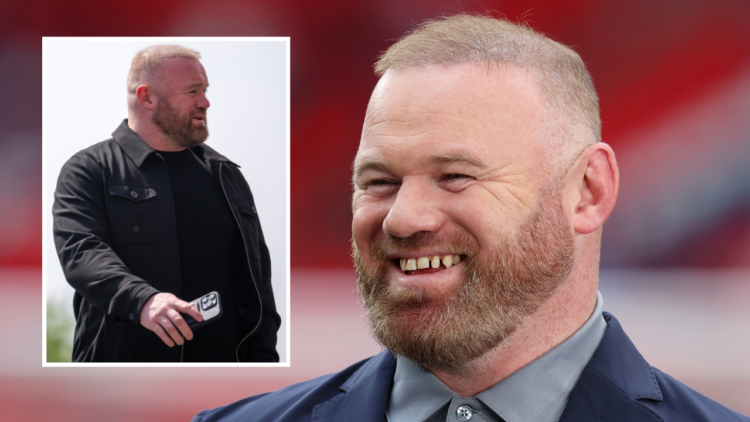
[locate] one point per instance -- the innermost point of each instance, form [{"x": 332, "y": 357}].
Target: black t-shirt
[{"x": 211, "y": 254}]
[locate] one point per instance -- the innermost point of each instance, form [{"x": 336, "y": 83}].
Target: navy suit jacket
[{"x": 617, "y": 385}]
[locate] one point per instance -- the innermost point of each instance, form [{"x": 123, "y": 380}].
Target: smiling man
[
  {"x": 153, "y": 218},
  {"x": 480, "y": 189}
]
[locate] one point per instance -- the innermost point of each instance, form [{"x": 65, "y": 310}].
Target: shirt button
[
  {"x": 132, "y": 317},
  {"x": 134, "y": 194},
  {"x": 136, "y": 229},
  {"x": 464, "y": 413}
]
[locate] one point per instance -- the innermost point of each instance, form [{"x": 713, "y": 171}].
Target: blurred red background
[{"x": 674, "y": 85}]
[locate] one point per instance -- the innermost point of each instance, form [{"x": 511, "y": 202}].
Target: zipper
[{"x": 249, "y": 267}]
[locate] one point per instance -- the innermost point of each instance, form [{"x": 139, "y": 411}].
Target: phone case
[{"x": 209, "y": 306}]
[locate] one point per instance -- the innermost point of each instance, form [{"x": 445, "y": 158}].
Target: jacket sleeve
[
  {"x": 262, "y": 346},
  {"x": 81, "y": 233}
]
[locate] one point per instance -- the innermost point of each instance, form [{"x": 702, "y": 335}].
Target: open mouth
[
  {"x": 427, "y": 264},
  {"x": 200, "y": 120}
]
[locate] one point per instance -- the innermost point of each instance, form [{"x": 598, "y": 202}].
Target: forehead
[
  {"x": 182, "y": 71},
  {"x": 491, "y": 114}
]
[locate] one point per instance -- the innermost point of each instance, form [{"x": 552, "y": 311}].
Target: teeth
[
  {"x": 427, "y": 262},
  {"x": 411, "y": 264}
]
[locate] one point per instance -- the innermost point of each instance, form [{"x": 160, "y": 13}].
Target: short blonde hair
[
  {"x": 148, "y": 60},
  {"x": 572, "y": 120}
]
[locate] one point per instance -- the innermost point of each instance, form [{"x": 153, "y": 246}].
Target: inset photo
[{"x": 166, "y": 201}]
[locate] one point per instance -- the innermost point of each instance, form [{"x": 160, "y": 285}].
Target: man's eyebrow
[
  {"x": 366, "y": 164},
  {"x": 459, "y": 158},
  {"x": 196, "y": 85},
  {"x": 361, "y": 166}
]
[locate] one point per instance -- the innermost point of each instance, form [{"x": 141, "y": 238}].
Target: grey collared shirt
[{"x": 537, "y": 392}]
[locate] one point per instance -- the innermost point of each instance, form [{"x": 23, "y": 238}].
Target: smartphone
[{"x": 209, "y": 306}]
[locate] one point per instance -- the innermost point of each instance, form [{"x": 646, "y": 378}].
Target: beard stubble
[
  {"x": 177, "y": 127},
  {"x": 503, "y": 284}
]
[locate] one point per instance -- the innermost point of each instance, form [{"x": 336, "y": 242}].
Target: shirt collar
[
  {"x": 416, "y": 393},
  {"x": 538, "y": 391}
]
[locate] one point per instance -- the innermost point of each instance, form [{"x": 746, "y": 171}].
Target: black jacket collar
[{"x": 138, "y": 150}]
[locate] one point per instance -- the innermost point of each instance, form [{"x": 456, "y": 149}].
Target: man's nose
[
  {"x": 203, "y": 102},
  {"x": 415, "y": 210}
]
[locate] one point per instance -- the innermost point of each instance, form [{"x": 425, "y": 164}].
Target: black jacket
[{"x": 116, "y": 238}]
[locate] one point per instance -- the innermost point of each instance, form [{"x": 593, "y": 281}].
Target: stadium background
[{"x": 674, "y": 82}]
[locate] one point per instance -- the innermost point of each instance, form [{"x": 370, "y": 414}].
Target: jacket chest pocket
[
  {"x": 250, "y": 226},
  {"x": 133, "y": 214}
]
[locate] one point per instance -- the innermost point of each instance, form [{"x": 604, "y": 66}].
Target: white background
[{"x": 85, "y": 100}]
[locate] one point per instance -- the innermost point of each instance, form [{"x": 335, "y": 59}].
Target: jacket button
[
  {"x": 134, "y": 194},
  {"x": 136, "y": 228},
  {"x": 132, "y": 317}
]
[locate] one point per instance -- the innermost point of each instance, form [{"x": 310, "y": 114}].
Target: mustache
[{"x": 458, "y": 243}]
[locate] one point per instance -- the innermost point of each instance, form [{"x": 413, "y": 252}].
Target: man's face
[
  {"x": 449, "y": 165},
  {"x": 181, "y": 106}
]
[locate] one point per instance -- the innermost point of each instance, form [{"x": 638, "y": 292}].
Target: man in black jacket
[{"x": 151, "y": 217}]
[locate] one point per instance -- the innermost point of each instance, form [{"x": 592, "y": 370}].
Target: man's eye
[
  {"x": 455, "y": 176},
  {"x": 380, "y": 185},
  {"x": 455, "y": 182},
  {"x": 379, "y": 182}
]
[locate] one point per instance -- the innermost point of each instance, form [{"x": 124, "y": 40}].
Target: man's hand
[{"x": 161, "y": 314}]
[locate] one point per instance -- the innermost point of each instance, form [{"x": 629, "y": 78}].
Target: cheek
[
  {"x": 367, "y": 223},
  {"x": 487, "y": 221}
]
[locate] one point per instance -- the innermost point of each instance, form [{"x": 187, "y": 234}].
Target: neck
[
  {"x": 556, "y": 320},
  {"x": 152, "y": 135}
]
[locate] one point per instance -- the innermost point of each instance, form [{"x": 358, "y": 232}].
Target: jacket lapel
[
  {"x": 613, "y": 382},
  {"x": 364, "y": 396},
  {"x": 596, "y": 399},
  {"x": 609, "y": 388}
]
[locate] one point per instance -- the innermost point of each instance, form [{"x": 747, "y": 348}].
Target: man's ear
[
  {"x": 146, "y": 97},
  {"x": 592, "y": 186}
]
